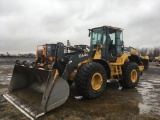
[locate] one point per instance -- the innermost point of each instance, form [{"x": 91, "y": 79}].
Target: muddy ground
[{"x": 140, "y": 103}]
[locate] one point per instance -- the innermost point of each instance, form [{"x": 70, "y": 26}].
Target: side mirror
[{"x": 89, "y": 34}]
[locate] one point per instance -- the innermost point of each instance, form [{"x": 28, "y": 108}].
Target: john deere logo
[{"x": 83, "y": 55}]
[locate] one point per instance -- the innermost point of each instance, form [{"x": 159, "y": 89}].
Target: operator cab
[{"x": 111, "y": 39}]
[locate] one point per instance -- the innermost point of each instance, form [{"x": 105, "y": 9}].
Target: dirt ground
[{"x": 140, "y": 103}]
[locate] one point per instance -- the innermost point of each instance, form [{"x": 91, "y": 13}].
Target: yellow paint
[
  {"x": 73, "y": 74},
  {"x": 145, "y": 57},
  {"x": 134, "y": 75},
  {"x": 98, "y": 52},
  {"x": 116, "y": 67},
  {"x": 42, "y": 48},
  {"x": 96, "y": 81},
  {"x": 115, "y": 70},
  {"x": 134, "y": 51},
  {"x": 141, "y": 68},
  {"x": 56, "y": 74},
  {"x": 123, "y": 58},
  {"x": 97, "y": 55},
  {"x": 85, "y": 61}
]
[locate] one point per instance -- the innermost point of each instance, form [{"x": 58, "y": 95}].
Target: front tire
[
  {"x": 131, "y": 74},
  {"x": 91, "y": 80}
]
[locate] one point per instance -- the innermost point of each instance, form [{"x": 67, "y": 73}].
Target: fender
[
  {"x": 74, "y": 61},
  {"x": 106, "y": 65},
  {"x": 135, "y": 58}
]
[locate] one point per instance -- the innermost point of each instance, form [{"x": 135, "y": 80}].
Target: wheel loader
[
  {"x": 38, "y": 87},
  {"x": 145, "y": 61},
  {"x": 144, "y": 58},
  {"x": 158, "y": 61}
]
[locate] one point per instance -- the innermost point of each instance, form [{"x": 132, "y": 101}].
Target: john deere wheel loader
[{"x": 43, "y": 85}]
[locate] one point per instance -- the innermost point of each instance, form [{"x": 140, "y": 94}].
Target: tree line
[{"x": 151, "y": 52}]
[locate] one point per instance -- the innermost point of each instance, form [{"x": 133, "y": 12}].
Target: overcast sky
[{"x": 24, "y": 24}]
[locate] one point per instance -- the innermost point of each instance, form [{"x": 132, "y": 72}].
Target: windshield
[{"x": 96, "y": 36}]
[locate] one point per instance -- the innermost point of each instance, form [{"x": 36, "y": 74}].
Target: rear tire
[
  {"x": 91, "y": 80},
  {"x": 131, "y": 74}
]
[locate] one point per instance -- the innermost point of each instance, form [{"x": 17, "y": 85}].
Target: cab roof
[{"x": 115, "y": 28}]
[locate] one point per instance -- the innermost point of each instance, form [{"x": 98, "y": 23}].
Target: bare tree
[
  {"x": 143, "y": 51},
  {"x": 151, "y": 52}
]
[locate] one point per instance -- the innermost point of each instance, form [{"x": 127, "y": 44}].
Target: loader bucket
[
  {"x": 36, "y": 91},
  {"x": 145, "y": 63}
]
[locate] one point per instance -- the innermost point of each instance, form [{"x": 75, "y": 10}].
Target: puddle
[{"x": 149, "y": 90}]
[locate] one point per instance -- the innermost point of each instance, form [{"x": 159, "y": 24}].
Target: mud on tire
[
  {"x": 84, "y": 77},
  {"x": 131, "y": 74}
]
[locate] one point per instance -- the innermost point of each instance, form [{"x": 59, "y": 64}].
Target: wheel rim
[
  {"x": 134, "y": 75},
  {"x": 96, "y": 81}
]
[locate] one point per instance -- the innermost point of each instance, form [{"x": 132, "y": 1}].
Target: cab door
[{"x": 115, "y": 43}]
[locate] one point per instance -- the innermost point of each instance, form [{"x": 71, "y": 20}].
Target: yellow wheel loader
[
  {"x": 145, "y": 61},
  {"x": 144, "y": 58},
  {"x": 41, "y": 86},
  {"x": 158, "y": 61}
]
